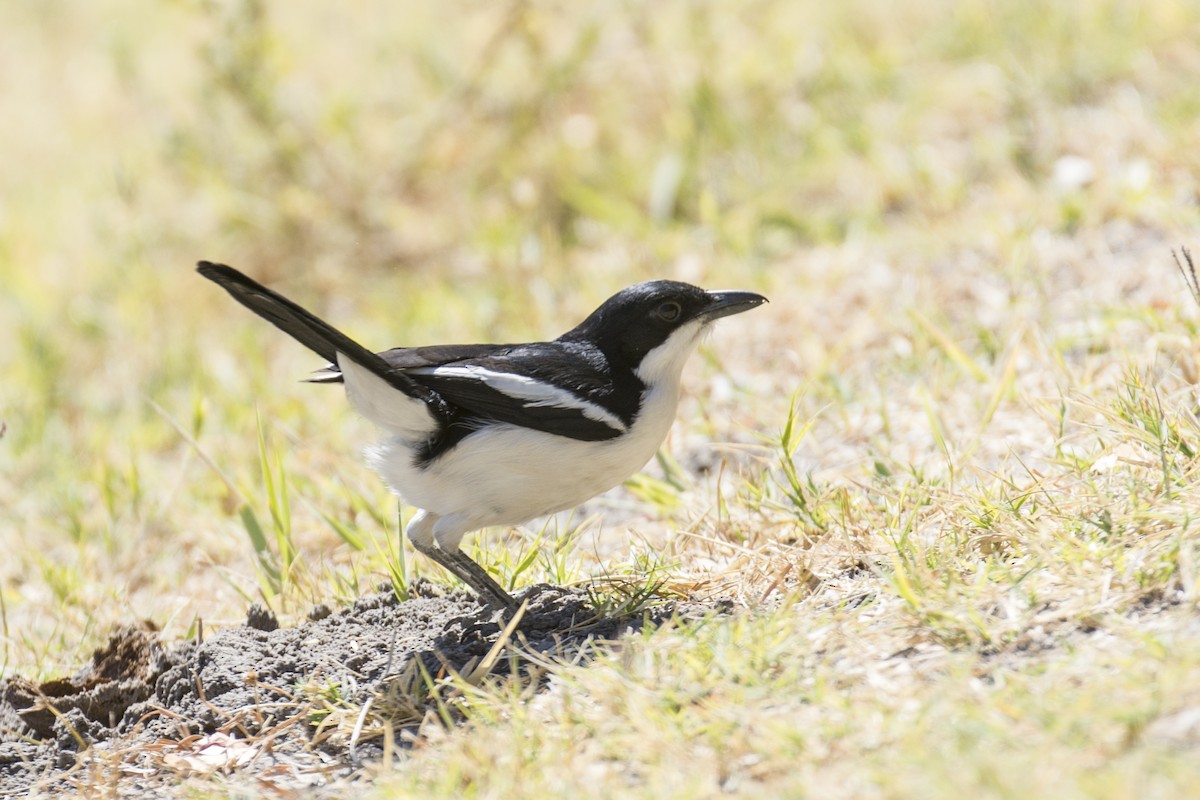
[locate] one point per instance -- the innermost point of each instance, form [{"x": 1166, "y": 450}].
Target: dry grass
[{"x": 957, "y": 470}]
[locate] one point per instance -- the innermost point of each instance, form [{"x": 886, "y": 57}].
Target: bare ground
[{"x": 269, "y": 701}]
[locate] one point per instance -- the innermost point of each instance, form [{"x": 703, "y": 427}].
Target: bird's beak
[{"x": 724, "y": 303}]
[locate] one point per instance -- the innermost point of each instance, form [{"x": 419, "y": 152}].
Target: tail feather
[
  {"x": 312, "y": 332},
  {"x": 330, "y": 373}
]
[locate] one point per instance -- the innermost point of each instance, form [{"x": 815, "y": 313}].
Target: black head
[{"x": 638, "y": 319}]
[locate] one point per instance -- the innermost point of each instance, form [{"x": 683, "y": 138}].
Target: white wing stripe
[{"x": 533, "y": 392}]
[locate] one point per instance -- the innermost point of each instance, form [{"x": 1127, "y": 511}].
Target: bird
[{"x": 484, "y": 435}]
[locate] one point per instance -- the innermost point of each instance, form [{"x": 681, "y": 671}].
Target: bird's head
[{"x": 653, "y": 327}]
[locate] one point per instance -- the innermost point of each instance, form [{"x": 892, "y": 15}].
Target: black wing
[
  {"x": 563, "y": 388},
  {"x": 555, "y": 387}
]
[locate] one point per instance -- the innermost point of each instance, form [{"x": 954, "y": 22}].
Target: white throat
[{"x": 664, "y": 364}]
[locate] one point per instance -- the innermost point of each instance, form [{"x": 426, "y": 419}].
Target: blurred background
[{"x": 454, "y": 171}]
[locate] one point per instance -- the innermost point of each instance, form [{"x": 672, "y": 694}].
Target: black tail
[{"x": 315, "y": 334}]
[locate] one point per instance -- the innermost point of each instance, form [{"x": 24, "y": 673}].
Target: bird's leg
[
  {"x": 478, "y": 579},
  {"x": 461, "y": 566},
  {"x": 423, "y": 533}
]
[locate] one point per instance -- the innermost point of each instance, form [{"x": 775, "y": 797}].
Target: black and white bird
[{"x": 479, "y": 435}]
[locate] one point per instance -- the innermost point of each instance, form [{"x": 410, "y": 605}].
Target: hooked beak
[{"x": 725, "y": 303}]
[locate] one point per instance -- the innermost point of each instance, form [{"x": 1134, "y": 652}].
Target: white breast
[{"x": 505, "y": 475}]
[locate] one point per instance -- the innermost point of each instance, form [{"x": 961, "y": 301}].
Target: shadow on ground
[{"x": 143, "y": 711}]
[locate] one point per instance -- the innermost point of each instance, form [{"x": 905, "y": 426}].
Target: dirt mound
[{"x": 142, "y": 712}]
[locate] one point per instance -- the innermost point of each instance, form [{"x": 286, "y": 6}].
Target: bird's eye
[{"x": 669, "y": 311}]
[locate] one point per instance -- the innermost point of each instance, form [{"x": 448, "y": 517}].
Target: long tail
[{"x": 312, "y": 332}]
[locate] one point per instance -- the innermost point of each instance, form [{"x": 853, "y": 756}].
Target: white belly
[{"x": 506, "y": 475}]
